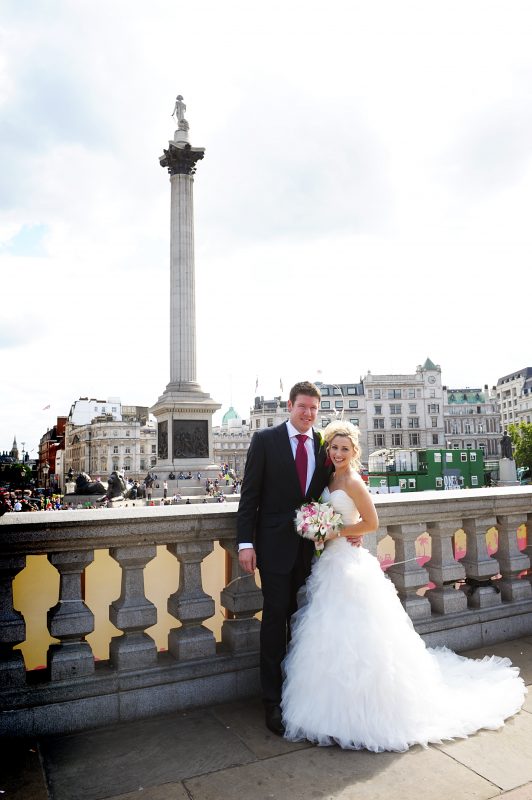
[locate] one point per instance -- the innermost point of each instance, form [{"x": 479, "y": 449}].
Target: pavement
[{"x": 225, "y": 753}]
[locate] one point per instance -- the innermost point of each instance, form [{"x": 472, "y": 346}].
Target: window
[
  {"x": 463, "y": 456},
  {"x": 378, "y": 439},
  {"x": 378, "y": 409},
  {"x": 354, "y": 421},
  {"x": 439, "y": 483},
  {"x": 482, "y": 446},
  {"x": 435, "y": 438},
  {"x": 394, "y": 393},
  {"x": 326, "y": 404},
  {"x": 153, "y": 462},
  {"x": 397, "y": 439},
  {"x": 127, "y": 467},
  {"x": 412, "y": 408},
  {"x": 414, "y": 439},
  {"x": 434, "y": 421},
  {"x": 467, "y": 427},
  {"x": 142, "y": 449},
  {"x": 461, "y": 481},
  {"x": 377, "y": 394},
  {"x": 411, "y": 483},
  {"x": 269, "y": 422},
  {"x": 378, "y": 423},
  {"x": 432, "y": 392},
  {"x": 113, "y": 409},
  {"x": 142, "y": 464},
  {"x": 339, "y": 404},
  {"x": 257, "y": 423},
  {"x": 402, "y": 483},
  {"x": 352, "y": 390},
  {"x": 395, "y": 408},
  {"x": 456, "y": 445},
  {"x": 324, "y": 422},
  {"x": 115, "y": 466},
  {"x": 115, "y": 433},
  {"x": 396, "y": 422},
  {"x": 413, "y": 422},
  {"x": 437, "y": 458},
  {"x": 474, "y": 480},
  {"x": 115, "y": 448},
  {"x": 153, "y": 448},
  {"x": 128, "y": 433},
  {"x": 324, "y": 390},
  {"x": 469, "y": 445},
  {"x": 411, "y": 393},
  {"x": 434, "y": 408},
  {"x": 128, "y": 450},
  {"x": 353, "y": 404}
]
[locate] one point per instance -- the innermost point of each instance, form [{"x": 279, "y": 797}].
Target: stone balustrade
[{"x": 478, "y": 600}]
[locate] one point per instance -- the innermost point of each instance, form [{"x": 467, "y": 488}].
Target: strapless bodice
[{"x": 342, "y": 504}]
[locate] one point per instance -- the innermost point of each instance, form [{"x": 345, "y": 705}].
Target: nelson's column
[{"x": 183, "y": 412}]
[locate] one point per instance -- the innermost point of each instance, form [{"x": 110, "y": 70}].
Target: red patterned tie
[{"x": 302, "y": 461}]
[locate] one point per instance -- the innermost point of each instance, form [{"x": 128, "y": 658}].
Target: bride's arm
[{"x": 369, "y": 521}]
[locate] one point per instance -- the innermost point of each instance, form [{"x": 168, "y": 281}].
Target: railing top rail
[{"x": 48, "y": 531}]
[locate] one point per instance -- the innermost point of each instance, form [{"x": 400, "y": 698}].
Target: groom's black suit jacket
[{"x": 270, "y": 496}]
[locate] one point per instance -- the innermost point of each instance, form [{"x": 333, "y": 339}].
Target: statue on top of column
[{"x": 179, "y": 111}]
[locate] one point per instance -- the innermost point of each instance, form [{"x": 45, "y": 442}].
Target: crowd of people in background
[{"x": 147, "y": 490}]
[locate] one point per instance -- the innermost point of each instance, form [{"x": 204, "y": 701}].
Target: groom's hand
[{"x": 247, "y": 558}]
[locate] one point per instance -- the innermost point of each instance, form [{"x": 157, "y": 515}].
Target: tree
[{"x": 521, "y": 436}]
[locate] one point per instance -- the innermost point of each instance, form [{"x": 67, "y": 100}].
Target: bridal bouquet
[{"x": 317, "y": 521}]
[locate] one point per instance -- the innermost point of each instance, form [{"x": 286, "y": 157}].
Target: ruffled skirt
[{"x": 358, "y": 675}]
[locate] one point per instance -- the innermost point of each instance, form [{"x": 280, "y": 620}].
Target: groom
[{"x": 285, "y": 467}]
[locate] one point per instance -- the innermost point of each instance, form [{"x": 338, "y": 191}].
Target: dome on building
[{"x": 229, "y": 417}]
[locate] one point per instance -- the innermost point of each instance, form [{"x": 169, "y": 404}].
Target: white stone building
[
  {"x": 405, "y": 411},
  {"x": 83, "y": 411},
  {"x": 472, "y": 420},
  {"x": 514, "y": 397},
  {"x": 231, "y": 441},
  {"x": 105, "y": 444}
]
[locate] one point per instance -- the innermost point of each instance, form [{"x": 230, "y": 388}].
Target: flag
[
  {"x": 46, "y": 408},
  {"x": 257, "y": 383},
  {"x": 281, "y": 384}
]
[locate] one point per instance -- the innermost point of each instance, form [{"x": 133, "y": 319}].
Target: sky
[{"x": 363, "y": 204}]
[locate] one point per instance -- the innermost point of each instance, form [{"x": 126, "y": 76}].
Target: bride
[{"x": 356, "y": 673}]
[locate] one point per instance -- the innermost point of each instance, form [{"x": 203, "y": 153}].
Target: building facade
[
  {"x": 514, "y": 397},
  {"x": 344, "y": 401},
  {"x": 107, "y": 444},
  {"x": 405, "y": 411},
  {"x": 231, "y": 441},
  {"x": 472, "y": 420}
]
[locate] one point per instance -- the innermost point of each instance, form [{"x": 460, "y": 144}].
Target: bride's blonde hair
[{"x": 341, "y": 428}]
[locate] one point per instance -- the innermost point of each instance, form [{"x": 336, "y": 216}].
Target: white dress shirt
[{"x": 293, "y": 433}]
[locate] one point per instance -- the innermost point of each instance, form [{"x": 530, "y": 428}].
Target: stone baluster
[
  {"x": 511, "y": 560},
  {"x": 12, "y": 625},
  {"x": 444, "y": 569},
  {"x": 190, "y": 604},
  {"x": 70, "y": 620},
  {"x": 528, "y": 549},
  {"x": 243, "y": 599},
  {"x": 479, "y": 566},
  {"x": 409, "y": 577},
  {"x": 132, "y": 613}
]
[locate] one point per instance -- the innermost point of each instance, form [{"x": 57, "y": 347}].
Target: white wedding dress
[{"x": 357, "y": 674}]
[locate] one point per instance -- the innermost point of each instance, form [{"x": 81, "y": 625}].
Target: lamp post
[{"x": 45, "y": 471}]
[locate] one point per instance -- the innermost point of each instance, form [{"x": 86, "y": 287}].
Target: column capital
[{"x": 181, "y": 159}]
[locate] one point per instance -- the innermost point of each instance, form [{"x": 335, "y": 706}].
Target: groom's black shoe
[{"x": 274, "y": 720}]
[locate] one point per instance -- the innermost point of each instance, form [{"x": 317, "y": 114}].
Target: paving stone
[
  {"x": 328, "y": 773},
  {"x": 168, "y": 791},
  {"x": 21, "y": 774},
  {"x": 113, "y": 761},
  {"x": 522, "y": 793},
  {"x": 503, "y": 757},
  {"x": 519, "y": 651},
  {"x": 246, "y": 720}
]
